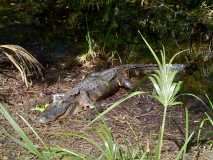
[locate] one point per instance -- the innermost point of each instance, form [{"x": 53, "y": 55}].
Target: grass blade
[
  {"x": 27, "y": 143},
  {"x": 115, "y": 105},
  {"x": 183, "y": 148}
]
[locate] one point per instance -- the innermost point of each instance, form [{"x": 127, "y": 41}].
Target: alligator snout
[{"x": 51, "y": 114}]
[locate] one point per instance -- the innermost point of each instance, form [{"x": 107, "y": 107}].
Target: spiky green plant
[
  {"x": 22, "y": 60},
  {"x": 166, "y": 89}
]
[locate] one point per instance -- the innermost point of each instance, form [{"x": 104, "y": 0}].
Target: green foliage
[
  {"x": 163, "y": 79},
  {"x": 26, "y": 142},
  {"x": 188, "y": 137},
  {"x": 207, "y": 119},
  {"x": 91, "y": 52},
  {"x": 108, "y": 148},
  {"x": 44, "y": 153},
  {"x": 164, "y": 85},
  {"x": 113, "y": 24},
  {"x": 184, "y": 147},
  {"x": 165, "y": 89}
]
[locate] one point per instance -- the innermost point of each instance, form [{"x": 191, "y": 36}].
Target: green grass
[
  {"x": 108, "y": 148},
  {"x": 207, "y": 119},
  {"x": 114, "y": 105},
  {"x": 25, "y": 142},
  {"x": 43, "y": 152}
]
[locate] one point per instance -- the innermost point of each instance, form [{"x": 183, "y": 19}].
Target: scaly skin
[{"x": 94, "y": 87}]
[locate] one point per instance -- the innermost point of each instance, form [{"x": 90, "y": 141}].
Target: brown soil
[{"x": 141, "y": 113}]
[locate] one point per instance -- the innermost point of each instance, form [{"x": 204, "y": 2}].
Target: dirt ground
[{"x": 141, "y": 113}]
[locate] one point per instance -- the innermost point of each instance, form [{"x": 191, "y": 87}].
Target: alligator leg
[{"x": 84, "y": 100}]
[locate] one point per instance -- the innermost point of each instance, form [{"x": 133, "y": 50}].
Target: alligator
[{"x": 96, "y": 86}]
